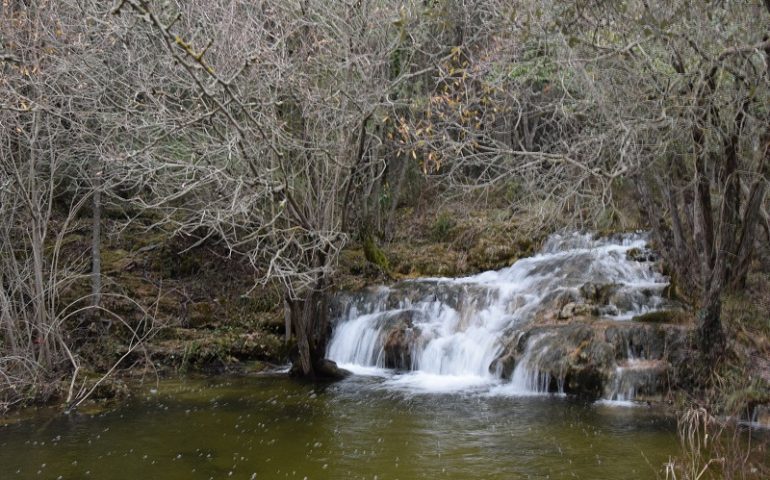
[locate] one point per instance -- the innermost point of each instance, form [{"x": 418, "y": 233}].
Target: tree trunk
[
  {"x": 395, "y": 195},
  {"x": 310, "y": 322},
  {"x": 710, "y": 336},
  {"x": 96, "y": 243},
  {"x": 287, "y": 319},
  {"x": 751, "y": 219}
]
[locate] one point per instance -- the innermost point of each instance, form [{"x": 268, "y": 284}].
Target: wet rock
[
  {"x": 404, "y": 295},
  {"x": 572, "y": 309},
  {"x": 600, "y": 358},
  {"x": 557, "y": 299},
  {"x": 607, "y": 311},
  {"x": 650, "y": 342},
  {"x": 328, "y": 369},
  {"x": 637, "y": 379},
  {"x": 398, "y": 346},
  {"x": 596, "y": 293},
  {"x": 584, "y": 382},
  {"x": 641, "y": 255},
  {"x": 630, "y": 299},
  {"x": 503, "y": 366}
]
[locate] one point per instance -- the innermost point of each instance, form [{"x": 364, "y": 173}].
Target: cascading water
[
  {"x": 527, "y": 377},
  {"x": 447, "y": 334}
]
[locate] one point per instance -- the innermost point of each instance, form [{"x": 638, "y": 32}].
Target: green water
[{"x": 275, "y": 428}]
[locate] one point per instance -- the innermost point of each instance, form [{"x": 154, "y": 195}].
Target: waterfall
[
  {"x": 527, "y": 377},
  {"x": 623, "y": 390},
  {"x": 435, "y": 330}
]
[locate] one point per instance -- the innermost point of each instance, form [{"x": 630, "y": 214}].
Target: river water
[{"x": 273, "y": 427}]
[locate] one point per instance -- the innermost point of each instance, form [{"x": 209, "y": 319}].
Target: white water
[
  {"x": 527, "y": 378},
  {"x": 456, "y": 327}
]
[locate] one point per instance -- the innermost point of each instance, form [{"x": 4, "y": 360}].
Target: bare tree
[
  {"x": 686, "y": 85},
  {"x": 62, "y": 99},
  {"x": 292, "y": 94}
]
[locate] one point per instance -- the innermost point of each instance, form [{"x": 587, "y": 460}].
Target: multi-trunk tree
[
  {"x": 686, "y": 85},
  {"x": 291, "y": 98}
]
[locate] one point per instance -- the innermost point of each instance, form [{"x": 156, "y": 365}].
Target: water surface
[{"x": 273, "y": 428}]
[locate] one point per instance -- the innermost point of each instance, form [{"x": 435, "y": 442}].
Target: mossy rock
[
  {"x": 491, "y": 254},
  {"x": 499, "y": 251},
  {"x": 253, "y": 346},
  {"x": 111, "y": 389},
  {"x": 374, "y": 253},
  {"x": 352, "y": 261},
  {"x": 434, "y": 261},
  {"x": 204, "y": 354}
]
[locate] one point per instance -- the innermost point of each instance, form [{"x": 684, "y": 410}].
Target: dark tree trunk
[
  {"x": 750, "y": 222},
  {"x": 710, "y": 337},
  {"x": 752, "y": 219},
  {"x": 96, "y": 243},
  {"x": 310, "y": 322}
]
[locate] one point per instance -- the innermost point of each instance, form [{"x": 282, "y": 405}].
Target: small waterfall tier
[{"x": 513, "y": 330}]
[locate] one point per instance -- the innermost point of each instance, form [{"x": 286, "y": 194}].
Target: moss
[
  {"x": 115, "y": 260},
  {"x": 260, "y": 301},
  {"x": 374, "y": 254}
]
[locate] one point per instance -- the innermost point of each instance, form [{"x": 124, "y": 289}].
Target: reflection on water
[{"x": 273, "y": 428}]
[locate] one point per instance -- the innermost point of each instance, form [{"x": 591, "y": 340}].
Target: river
[{"x": 273, "y": 427}]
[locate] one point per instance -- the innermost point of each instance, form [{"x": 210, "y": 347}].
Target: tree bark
[
  {"x": 310, "y": 327},
  {"x": 96, "y": 243},
  {"x": 710, "y": 336},
  {"x": 752, "y": 217},
  {"x": 746, "y": 244},
  {"x": 287, "y": 319}
]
